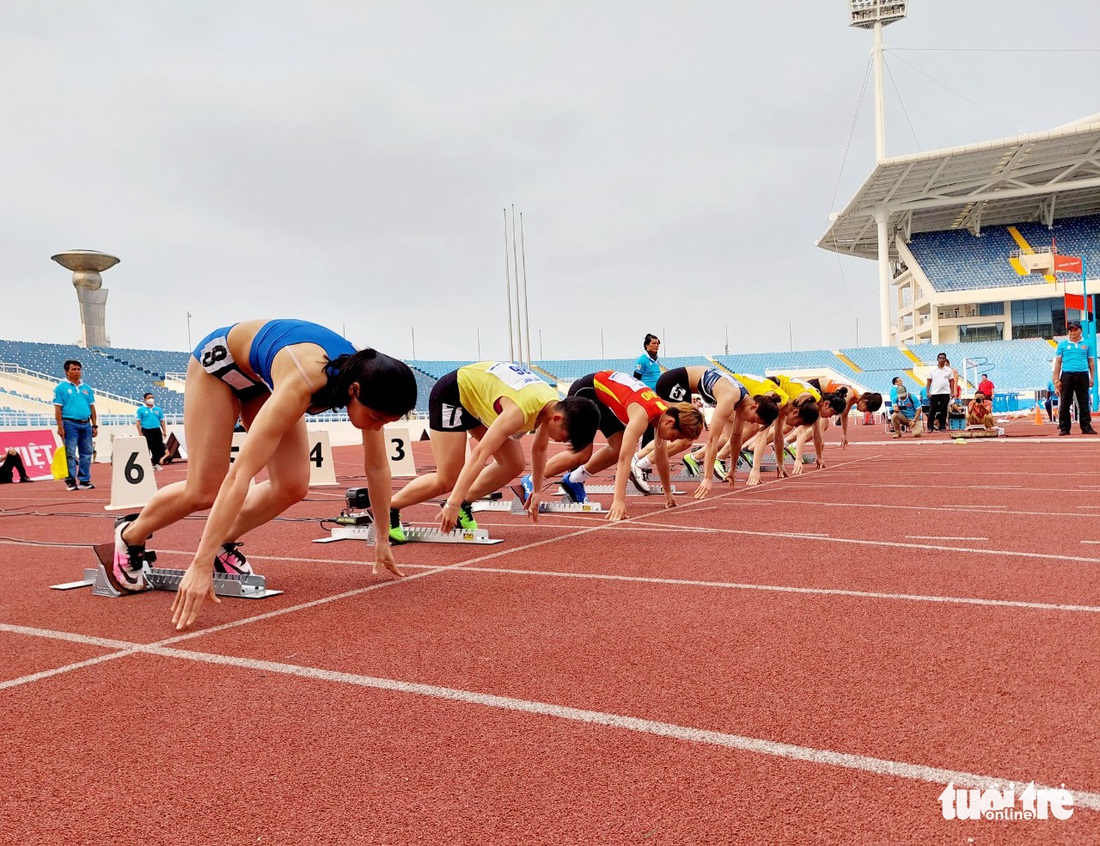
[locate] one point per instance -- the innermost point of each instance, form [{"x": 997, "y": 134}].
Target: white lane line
[
  {"x": 859, "y": 594},
  {"x": 672, "y": 731},
  {"x": 945, "y": 537},
  {"x": 1006, "y": 553},
  {"x": 835, "y": 504},
  {"x": 1090, "y": 541}
]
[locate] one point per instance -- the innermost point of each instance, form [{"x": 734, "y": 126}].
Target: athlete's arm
[
  {"x": 376, "y": 470},
  {"x": 634, "y": 429},
  {"x": 538, "y": 468},
  {"x": 724, "y": 412}
]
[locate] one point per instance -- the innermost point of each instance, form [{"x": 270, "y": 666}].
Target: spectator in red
[
  {"x": 979, "y": 412},
  {"x": 986, "y": 387}
]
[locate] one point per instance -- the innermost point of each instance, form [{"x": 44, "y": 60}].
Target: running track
[{"x": 809, "y": 661}]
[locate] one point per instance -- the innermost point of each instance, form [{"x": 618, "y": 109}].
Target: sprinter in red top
[{"x": 627, "y": 408}]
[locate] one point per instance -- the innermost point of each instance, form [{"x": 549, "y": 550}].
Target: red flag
[{"x": 1077, "y": 301}]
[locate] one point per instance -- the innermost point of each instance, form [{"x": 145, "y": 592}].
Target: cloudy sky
[{"x": 350, "y": 162}]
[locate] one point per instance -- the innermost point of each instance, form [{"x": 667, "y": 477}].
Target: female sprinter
[{"x": 270, "y": 373}]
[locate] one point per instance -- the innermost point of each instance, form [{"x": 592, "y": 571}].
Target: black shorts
[
  {"x": 674, "y": 385},
  {"x": 445, "y": 411},
  {"x": 609, "y": 423}
]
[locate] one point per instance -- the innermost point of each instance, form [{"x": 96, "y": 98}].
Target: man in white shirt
[{"x": 940, "y": 387}]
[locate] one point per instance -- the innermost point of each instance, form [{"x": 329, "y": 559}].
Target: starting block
[
  {"x": 654, "y": 489},
  {"x": 413, "y": 534},
  {"x": 559, "y": 507},
  {"x": 251, "y": 586}
]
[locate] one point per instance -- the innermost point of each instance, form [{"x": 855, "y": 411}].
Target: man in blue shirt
[
  {"x": 74, "y": 408},
  {"x": 150, "y": 423},
  {"x": 1074, "y": 370},
  {"x": 646, "y": 369}
]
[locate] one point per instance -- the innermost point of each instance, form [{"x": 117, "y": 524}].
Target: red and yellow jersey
[{"x": 618, "y": 392}]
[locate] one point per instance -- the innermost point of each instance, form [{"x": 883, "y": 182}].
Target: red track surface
[{"x": 809, "y": 661}]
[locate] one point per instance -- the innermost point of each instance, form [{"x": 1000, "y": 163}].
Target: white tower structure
[{"x": 87, "y": 265}]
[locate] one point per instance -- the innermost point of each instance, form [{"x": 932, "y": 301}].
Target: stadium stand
[
  {"x": 956, "y": 260},
  {"x": 675, "y": 361},
  {"x": 29, "y": 371}
]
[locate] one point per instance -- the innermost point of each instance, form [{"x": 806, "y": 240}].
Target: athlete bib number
[{"x": 515, "y": 377}]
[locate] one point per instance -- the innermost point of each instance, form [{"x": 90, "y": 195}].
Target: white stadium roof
[{"x": 994, "y": 183}]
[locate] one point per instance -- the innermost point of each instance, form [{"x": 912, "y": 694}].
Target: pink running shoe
[
  {"x": 125, "y": 572},
  {"x": 231, "y": 562}
]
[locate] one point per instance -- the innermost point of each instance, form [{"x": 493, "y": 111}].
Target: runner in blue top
[
  {"x": 269, "y": 373},
  {"x": 646, "y": 369}
]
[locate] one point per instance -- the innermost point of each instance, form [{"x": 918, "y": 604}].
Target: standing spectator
[
  {"x": 986, "y": 387},
  {"x": 925, "y": 408},
  {"x": 11, "y": 464},
  {"x": 646, "y": 369},
  {"x": 941, "y": 387},
  {"x": 979, "y": 412},
  {"x": 1074, "y": 370},
  {"x": 74, "y": 408},
  {"x": 150, "y": 423},
  {"x": 1048, "y": 403}
]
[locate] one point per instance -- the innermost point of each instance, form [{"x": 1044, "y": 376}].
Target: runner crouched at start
[
  {"x": 270, "y": 374},
  {"x": 627, "y": 408},
  {"x": 496, "y": 402}
]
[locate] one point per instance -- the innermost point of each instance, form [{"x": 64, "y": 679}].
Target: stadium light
[{"x": 866, "y": 13}]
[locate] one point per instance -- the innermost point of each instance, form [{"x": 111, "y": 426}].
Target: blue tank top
[{"x": 276, "y": 334}]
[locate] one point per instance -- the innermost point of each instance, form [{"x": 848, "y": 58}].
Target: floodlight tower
[
  {"x": 875, "y": 14},
  {"x": 87, "y": 265}
]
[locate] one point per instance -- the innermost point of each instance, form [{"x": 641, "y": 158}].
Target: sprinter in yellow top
[{"x": 496, "y": 402}]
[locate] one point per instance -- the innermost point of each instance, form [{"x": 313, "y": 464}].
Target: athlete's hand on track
[
  {"x": 797, "y": 469},
  {"x": 670, "y": 501},
  {"x": 617, "y": 512},
  {"x": 703, "y": 489},
  {"x": 780, "y": 472},
  {"x": 448, "y": 519},
  {"x": 753, "y": 480},
  {"x": 820, "y": 464},
  {"x": 844, "y": 443},
  {"x": 384, "y": 563},
  {"x": 195, "y": 588},
  {"x": 532, "y": 505}
]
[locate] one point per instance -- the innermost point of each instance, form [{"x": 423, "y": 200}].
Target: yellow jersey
[
  {"x": 481, "y": 387},
  {"x": 759, "y": 385},
  {"x": 794, "y": 387}
]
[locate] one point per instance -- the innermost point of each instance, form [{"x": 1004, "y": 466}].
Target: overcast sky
[{"x": 350, "y": 162}]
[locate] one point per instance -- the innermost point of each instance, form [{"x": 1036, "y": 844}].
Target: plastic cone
[{"x": 1038, "y": 415}]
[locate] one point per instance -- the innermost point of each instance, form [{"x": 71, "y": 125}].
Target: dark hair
[
  {"x": 767, "y": 409},
  {"x": 688, "y": 419},
  {"x": 872, "y": 400},
  {"x": 385, "y": 384},
  {"x": 808, "y": 412},
  {"x": 71, "y": 361},
  {"x": 648, "y": 338},
  {"x": 147, "y": 394},
  {"x": 582, "y": 419},
  {"x": 836, "y": 402}
]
